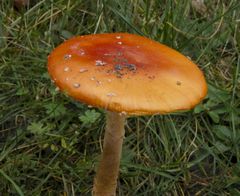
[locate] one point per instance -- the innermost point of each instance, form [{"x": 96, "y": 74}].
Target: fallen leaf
[{"x": 199, "y": 6}]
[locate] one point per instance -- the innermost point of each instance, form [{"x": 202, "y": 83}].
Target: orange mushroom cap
[{"x": 126, "y": 73}]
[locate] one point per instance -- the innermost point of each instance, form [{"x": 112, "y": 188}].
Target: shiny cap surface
[{"x": 126, "y": 73}]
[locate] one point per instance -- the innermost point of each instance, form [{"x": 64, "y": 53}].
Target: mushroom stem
[{"x": 105, "y": 182}]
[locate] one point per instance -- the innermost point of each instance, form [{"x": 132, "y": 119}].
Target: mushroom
[{"x": 125, "y": 74}]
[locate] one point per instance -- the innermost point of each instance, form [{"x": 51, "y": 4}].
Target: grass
[{"x": 50, "y": 144}]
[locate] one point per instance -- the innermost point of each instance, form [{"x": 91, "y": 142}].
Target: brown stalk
[{"x": 105, "y": 182}]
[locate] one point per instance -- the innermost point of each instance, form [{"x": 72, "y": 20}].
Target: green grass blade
[{"x": 17, "y": 188}]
